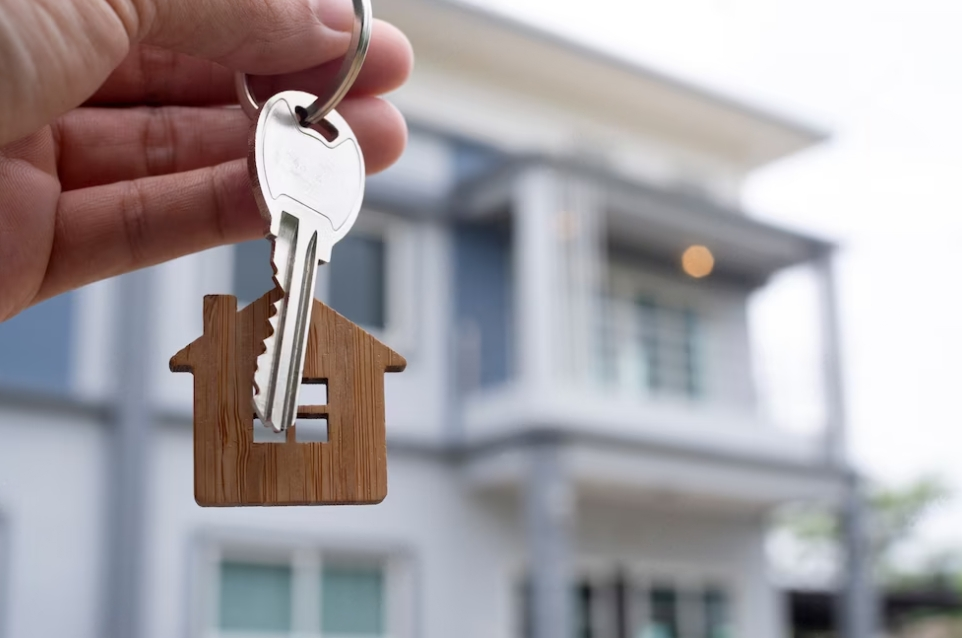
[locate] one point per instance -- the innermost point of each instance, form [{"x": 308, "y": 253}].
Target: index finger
[
  {"x": 263, "y": 37},
  {"x": 254, "y": 36}
]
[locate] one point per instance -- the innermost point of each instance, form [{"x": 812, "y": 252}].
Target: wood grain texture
[{"x": 230, "y": 469}]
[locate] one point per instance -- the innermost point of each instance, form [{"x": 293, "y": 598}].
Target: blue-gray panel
[
  {"x": 473, "y": 159},
  {"x": 485, "y": 294},
  {"x": 253, "y": 275},
  {"x": 36, "y": 345},
  {"x": 358, "y": 280}
]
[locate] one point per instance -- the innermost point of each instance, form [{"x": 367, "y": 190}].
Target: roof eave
[{"x": 780, "y": 135}]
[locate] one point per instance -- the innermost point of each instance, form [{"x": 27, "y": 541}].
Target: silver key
[{"x": 310, "y": 189}]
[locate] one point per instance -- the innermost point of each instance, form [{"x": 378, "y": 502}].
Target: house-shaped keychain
[{"x": 230, "y": 469}]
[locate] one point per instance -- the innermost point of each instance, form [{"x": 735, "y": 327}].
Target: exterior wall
[
  {"x": 52, "y": 504},
  {"x": 437, "y": 530},
  {"x": 684, "y": 547},
  {"x": 456, "y": 548},
  {"x": 441, "y": 533}
]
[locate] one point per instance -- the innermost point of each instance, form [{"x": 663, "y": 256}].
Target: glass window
[
  {"x": 622, "y": 608},
  {"x": 664, "y": 613},
  {"x": 266, "y": 600},
  {"x": 357, "y": 284},
  {"x": 582, "y": 611},
  {"x": 670, "y": 348},
  {"x": 36, "y": 347},
  {"x": 252, "y": 270},
  {"x": 717, "y": 623},
  {"x": 352, "y": 601},
  {"x": 255, "y": 598}
]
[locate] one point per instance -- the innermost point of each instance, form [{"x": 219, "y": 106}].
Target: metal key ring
[{"x": 353, "y": 60}]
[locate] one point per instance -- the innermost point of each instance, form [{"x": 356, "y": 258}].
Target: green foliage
[
  {"x": 893, "y": 519},
  {"x": 896, "y": 512}
]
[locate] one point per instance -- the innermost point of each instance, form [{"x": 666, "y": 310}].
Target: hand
[{"x": 117, "y": 150}]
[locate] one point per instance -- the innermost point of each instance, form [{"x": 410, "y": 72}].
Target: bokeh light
[{"x": 697, "y": 262}]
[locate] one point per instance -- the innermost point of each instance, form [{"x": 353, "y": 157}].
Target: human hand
[{"x": 117, "y": 150}]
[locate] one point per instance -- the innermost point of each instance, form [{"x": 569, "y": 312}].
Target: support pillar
[
  {"x": 858, "y": 611},
  {"x": 535, "y": 255},
  {"x": 858, "y": 603},
  {"x": 833, "y": 383},
  {"x": 549, "y": 516},
  {"x": 129, "y": 456}
]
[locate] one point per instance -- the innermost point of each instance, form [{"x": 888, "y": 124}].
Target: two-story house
[{"x": 576, "y": 446}]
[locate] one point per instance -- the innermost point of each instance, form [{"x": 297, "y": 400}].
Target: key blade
[{"x": 280, "y": 367}]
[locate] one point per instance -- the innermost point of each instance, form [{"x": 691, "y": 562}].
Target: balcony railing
[{"x": 648, "y": 349}]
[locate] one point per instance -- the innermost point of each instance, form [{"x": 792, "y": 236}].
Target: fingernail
[{"x": 335, "y": 14}]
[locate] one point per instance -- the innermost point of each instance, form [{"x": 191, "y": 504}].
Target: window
[
  {"x": 676, "y": 611},
  {"x": 717, "y": 621},
  {"x": 255, "y": 598},
  {"x": 619, "y": 607},
  {"x": 668, "y": 339},
  {"x": 309, "y": 596},
  {"x": 484, "y": 304},
  {"x": 663, "y": 604},
  {"x": 357, "y": 280},
  {"x": 352, "y": 601},
  {"x": 36, "y": 347},
  {"x": 651, "y": 347}
]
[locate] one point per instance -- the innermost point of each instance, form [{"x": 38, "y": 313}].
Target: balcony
[{"x": 609, "y": 346}]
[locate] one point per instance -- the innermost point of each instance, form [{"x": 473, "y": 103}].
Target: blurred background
[{"x": 678, "y": 288}]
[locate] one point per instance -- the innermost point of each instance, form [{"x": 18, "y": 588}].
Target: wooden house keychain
[{"x": 250, "y": 363}]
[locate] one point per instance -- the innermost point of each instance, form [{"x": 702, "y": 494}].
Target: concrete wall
[
  {"x": 457, "y": 549},
  {"x": 462, "y": 554},
  {"x": 686, "y": 547},
  {"x": 459, "y": 555},
  {"x": 52, "y": 487}
]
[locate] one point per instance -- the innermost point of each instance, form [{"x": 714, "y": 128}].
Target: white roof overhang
[{"x": 498, "y": 50}]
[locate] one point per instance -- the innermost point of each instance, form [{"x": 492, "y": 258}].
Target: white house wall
[
  {"x": 685, "y": 548},
  {"x": 458, "y": 549},
  {"x": 464, "y": 553},
  {"x": 52, "y": 502}
]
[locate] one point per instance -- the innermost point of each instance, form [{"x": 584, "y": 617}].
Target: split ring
[{"x": 360, "y": 41}]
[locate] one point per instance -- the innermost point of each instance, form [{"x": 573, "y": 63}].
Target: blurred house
[{"x": 576, "y": 447}]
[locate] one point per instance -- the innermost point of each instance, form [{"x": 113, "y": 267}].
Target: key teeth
[{"x": 262, "y": 371}]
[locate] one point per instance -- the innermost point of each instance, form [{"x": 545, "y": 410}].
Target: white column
[
  {"x": 549, "y": 515},
  {"x": 581, "y": 236},
  {"x": 559, "y": 257},
  {"x": 130, "y": 447},
  {"x": 833, "y": 385},
  {"x": 535, "y": 255}
]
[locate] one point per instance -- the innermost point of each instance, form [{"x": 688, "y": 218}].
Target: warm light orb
[{"x": 697, "y": 262}]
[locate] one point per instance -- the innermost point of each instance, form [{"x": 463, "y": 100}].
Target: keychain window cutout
[
  {"x": 313, "y": 430},
  {"x": 264, "y": 434},
  {"x": 313, "y": 393}
]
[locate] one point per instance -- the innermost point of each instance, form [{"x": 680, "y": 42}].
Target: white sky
[{"x": 885, "y": 76}]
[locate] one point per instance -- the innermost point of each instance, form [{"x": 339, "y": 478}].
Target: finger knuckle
[
  {"x": 135, "y": 227},
  {"x": 160, "y": 141}
]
